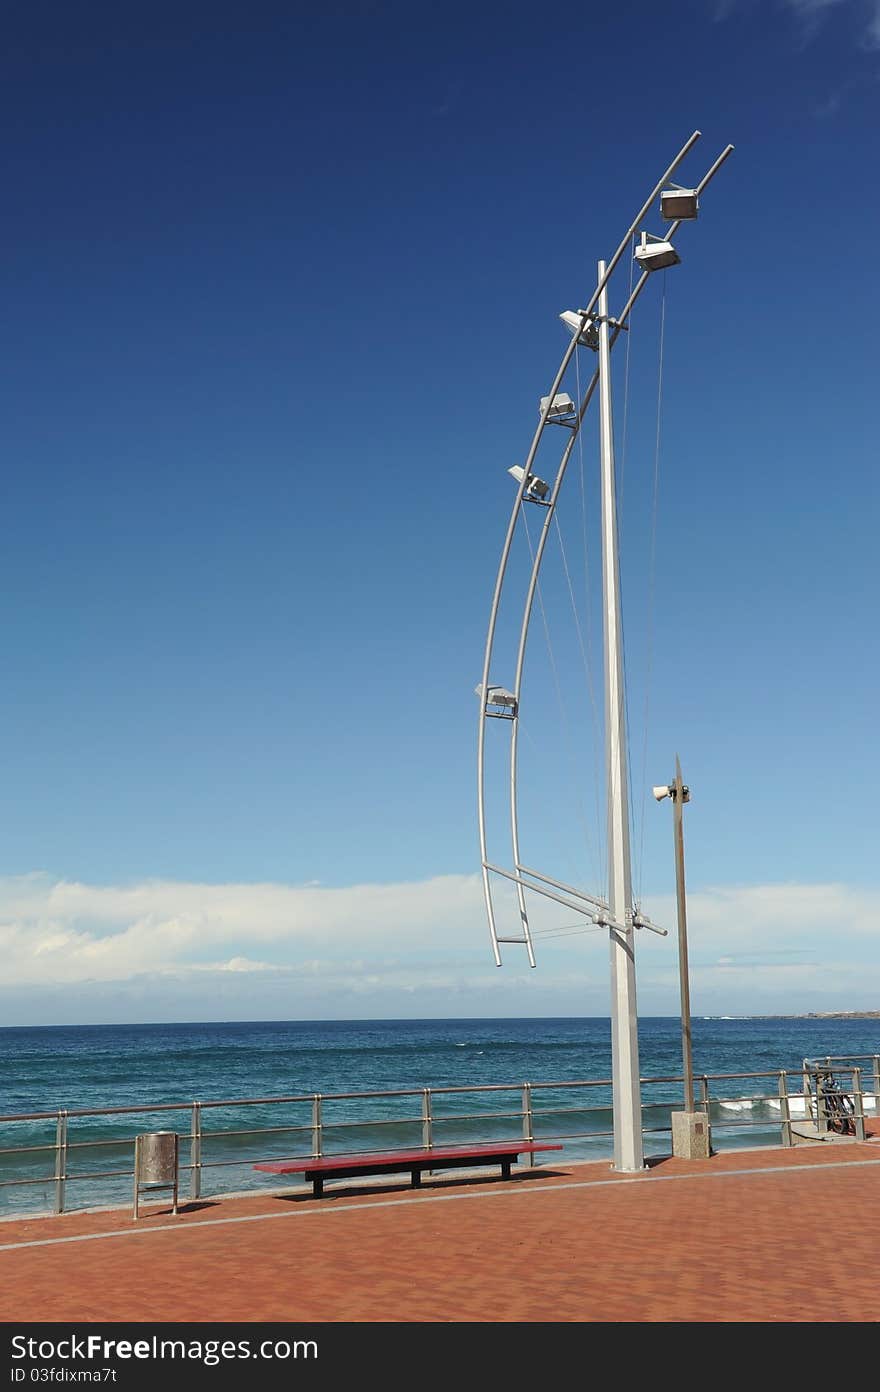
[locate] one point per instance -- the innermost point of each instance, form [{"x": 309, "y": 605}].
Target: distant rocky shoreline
[{"x": 829, "y": 1015}]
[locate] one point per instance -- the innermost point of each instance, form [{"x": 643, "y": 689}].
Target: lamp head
[
  {"x": 560, "y": 408},
  {"x": 679, "y": 204},
  {"x": 535, "y": 487},
  {"x": 587, "y": 334},
  {"x": 656, "y": 255}
]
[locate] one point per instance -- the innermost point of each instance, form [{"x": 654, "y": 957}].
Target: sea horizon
[{"x": 428, "y": 1019}]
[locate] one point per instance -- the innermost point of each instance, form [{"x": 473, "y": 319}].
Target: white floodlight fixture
[
  {"x": 661, "y": 792},
  {"x": 497, "y": 696},
  {"x": 535, "y": 487},
  {"x": 587, "y": 334},
  {"x": 655, "y": 254},
  {"x": 561, "y": 407},
  {"x": 679, "y": 204}
]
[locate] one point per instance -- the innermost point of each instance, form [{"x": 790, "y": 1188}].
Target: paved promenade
[{"x": 757, "y": 1235}]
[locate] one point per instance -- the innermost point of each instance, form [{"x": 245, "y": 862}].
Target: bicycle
[{"x": 838, "y": 1105}]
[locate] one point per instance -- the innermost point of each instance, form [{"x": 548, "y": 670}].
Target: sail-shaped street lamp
[{"x": 594, "y": 328}]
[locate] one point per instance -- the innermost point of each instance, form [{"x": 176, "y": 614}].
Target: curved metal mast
[
  {"x": 618, "y": 913},
  {"x": 506, "y": 702}
]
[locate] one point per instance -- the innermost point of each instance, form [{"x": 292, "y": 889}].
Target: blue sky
[{"x": 280, "y": 297}]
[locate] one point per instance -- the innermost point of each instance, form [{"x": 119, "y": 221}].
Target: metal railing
[{"x": 308, "y": 1125}]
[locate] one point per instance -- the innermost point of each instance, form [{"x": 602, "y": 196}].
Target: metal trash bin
[{"x": 156, "y": 1164}]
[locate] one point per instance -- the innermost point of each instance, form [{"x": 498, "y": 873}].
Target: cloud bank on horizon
[{"x": 164, "y": 950}]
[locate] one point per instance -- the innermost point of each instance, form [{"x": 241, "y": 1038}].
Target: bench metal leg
[
  {"x": 505, "y": 1169},
  {"x": 318, "y": 1187},
  {"x": 417, "y": 1179}
]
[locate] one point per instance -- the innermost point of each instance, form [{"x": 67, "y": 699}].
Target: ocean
[{"x": 76, "y": 1068}]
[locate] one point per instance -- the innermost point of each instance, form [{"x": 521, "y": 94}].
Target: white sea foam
[
  {"x": 739, "y": 1104},
  {"x": 797, "y": 1106}
]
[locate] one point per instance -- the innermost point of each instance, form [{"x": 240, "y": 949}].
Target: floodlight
[
  {"x": 497, "y": 696},
  {"x": 679, "y": 204},
  {"x": 561, "y": 406},
  {"x": 587, "y": 334},
  {"x": 535, "y": 486},
  {"x": 655, "y": 254},
  {"x": 661, "y": 792}
]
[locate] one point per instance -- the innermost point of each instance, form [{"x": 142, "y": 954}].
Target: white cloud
[
  {"x": 810, "y": 15},
  {"x": 806, "y": 8},
  {"x": 166, "y": 950},
  {"x": 75, "y": 932},
  {"x": 783, "y": 948},
  {"x": 756, "y": 915}
]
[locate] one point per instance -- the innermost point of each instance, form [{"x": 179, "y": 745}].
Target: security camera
[{"x": 661, "y": 792}]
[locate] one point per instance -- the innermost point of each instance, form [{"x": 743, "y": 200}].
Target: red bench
[{"x": 316, "y": 1170}]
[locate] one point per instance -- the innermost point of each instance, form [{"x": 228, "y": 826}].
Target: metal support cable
[
  {"x": 652, "y": 577},
  {"x": 586, "y": 657},
  {"x": 588, "y": 610},
  {"x": 563, "y": 712},
  {"x": 568, "y": 931},
  {"x": 624, "y": 430},
  {"x": 539, "y": 751},
  {"x": 550, "y": 653}
]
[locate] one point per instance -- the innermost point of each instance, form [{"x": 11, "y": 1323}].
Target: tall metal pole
[
  {"x": 627, "y": 1097},
  {"x": 680, "y": 795}
]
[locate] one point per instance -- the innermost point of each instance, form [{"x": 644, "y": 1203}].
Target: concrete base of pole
[{"x": 690, "y": 1135}]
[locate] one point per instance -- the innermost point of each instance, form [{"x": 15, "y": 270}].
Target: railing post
[
  {"x": 704, "y": 1093},
  {"x": 317, "y": 1128},
  {"x": 785, "y": 1109},
  {"x": 528, "y": 1132},
  {"x": 427, "y": 1120},
  {"x": 195, "y": 1152},
  {"x": 704, "y": 1107},
  {"x": 877, "y": 1084},
  {"x": 808, "y": 1093},
  {"x": 60, "y": 1160},
  {"x": 859, "y": 1103},
  {"x": 821, "y": 1109}
]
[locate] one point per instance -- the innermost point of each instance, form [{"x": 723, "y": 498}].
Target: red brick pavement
[{"x": 759, "y": 1235}]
